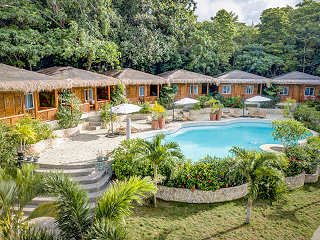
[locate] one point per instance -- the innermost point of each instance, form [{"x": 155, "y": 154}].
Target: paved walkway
[{"x": 316, "y": 235}]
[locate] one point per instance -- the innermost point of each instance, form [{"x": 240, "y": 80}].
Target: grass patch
[{"x": 295, "y": 217}]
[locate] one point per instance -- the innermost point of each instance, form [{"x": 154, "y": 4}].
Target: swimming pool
[{"x": 197, "y": 141}]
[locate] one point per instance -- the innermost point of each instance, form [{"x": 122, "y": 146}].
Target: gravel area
[{"x": 84, "y": 147}]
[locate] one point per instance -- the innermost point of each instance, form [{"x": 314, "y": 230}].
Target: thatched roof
[
  {"x": 79, "y": 77},
  {"x": 237, "y": 76},
  {"x": 130, "y": 76},
  {"x": 297, "y": 78},
  {"x": 184, "y": 76},
  {"x": 16, "y": 79}
]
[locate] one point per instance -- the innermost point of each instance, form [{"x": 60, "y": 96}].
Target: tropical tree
[
  {"x": 72, "y": 207},
  {"x": 290, "y": 106},
  {"x": 157, "y": 153},
  {"x": 257, "y": 167},
  {"x": 289, "y": 131}
]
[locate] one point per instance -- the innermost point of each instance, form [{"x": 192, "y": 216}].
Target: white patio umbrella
[
  {"x": 255, "y": 100},
  {"x": 186, "y": 101},
  {"x": 124, "y": 109},
  {"x": 183, "y": 102},
  {"x": 258, "y": 99}
]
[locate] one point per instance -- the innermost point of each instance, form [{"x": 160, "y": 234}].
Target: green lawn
[{"x": 296, "y": 217}]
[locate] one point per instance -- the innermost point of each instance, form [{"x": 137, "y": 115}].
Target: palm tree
[
  {"x": 256, "y": 166},
  {"x": 17, "y": 189},
  {"x": 157, "y": 153},
  {"x": 72, "y": 208}
]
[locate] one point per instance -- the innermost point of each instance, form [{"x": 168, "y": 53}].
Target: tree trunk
[
  {"x": 155, "y": 176},
  {"x": 249, "y": 211}
]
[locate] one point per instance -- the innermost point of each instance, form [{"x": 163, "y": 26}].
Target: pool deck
[{"x": 83, "y": 148}]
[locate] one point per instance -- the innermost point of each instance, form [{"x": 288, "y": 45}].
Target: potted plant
[
  {"x": 213, "y": 114},
  {"x": 162, "y": 119},
  {"x": 26, "y": 135},
  {"x": 219, "y": 112},
  {"x": 154, "y": 122},
  {"x": 99, "y": 156}
]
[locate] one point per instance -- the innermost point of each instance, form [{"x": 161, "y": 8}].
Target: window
[
  {"x": 249, "y": 90},
  {"x": 195, "y": 90},
  {"x": 191, "y": 89},
  {"x": 141, "y": 91},
  {"x": 176, "y": 87},
  {"x": 91, "y": 94},
  {"x": 284, "y": 91},
  {"x": 125, "y": 92},
  {"x": 226, "y": 89},
  {"x": 309, "y": 91},
  {"x": 28, "y": 101}
]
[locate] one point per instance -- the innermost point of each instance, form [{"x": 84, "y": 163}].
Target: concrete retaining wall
[
  {"x": 295, "y": 181},
  {"x": 198, "y": 196},
  {"x": 313, "y": 178}
]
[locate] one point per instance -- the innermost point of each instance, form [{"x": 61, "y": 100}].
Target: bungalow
[
  {"x": 140, "y": 86},
  {"x": 299, "y": 86},
  {"x": 25, "y": 92},
  {"x": 93, "y": 89},
  {"x": 243, "y": 84},
  {"x": 190, "y": 84}
]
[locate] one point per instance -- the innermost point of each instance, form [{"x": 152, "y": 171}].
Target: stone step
[
  {"x": 95, "y": 124},
  {"x": 90, "y": 179},
  {"x": 97, "y": 186},
  {"x": 70, "y": 172},
  {"x": 94, "y": 118},
  {"x": 93, "y": 196},
  {"x": 67, "y": 166},
  {"x": 93, "y": 128}
]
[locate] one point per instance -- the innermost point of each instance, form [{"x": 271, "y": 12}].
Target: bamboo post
[
  {"x": 23, "y": 105},
  {"x": 192, "y": 90},
  {"x": 260, "y": 89},
  {"x": 145, "y": 93},
  {"x": 56, "y": 99},
  {"x": 95, "y": 99},
  {"x": 158, "y": 90},
  {"x": 207, "y": 88},
  {"x": 109, "y": 98},
  {"x": 36, "y": 107}
]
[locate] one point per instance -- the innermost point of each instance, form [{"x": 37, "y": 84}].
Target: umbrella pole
[
  {"x": 111, "y": 120},
  {"x": 128, "y": 128},
  {"x": 243, "y": 106},
  {"x": 173, "y": 112}
]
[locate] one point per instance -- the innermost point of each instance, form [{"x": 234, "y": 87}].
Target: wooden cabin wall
[
  {"x": 79, "y": 92},
  {"x": 11, "y": 103},
  {"x": 239, "y": 90}
]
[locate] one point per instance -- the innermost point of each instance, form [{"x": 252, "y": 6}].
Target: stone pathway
[{"x": 316, "y": 235}]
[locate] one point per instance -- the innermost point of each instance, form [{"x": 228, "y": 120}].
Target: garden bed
[{"x": 295, "y": 181}]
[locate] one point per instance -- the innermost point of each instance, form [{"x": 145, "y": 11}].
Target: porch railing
[{"x": 48, "y": 114}]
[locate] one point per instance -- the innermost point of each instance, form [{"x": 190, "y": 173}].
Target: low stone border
[
  {"x": 295, "y": 181},
  {"x": 313, "y": 178},
  {"x": 198, "y": 196}
]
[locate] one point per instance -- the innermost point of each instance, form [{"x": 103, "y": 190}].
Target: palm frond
[
  {"x": 33, "y": 233},
  {"x": 116, "y": 202},
  {"x": 73, "y": 212},
  {"x": 48, "y": 209},
  {"x": 104, "y": 229}
]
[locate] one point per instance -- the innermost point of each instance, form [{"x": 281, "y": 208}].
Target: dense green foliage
[
  {"x": 7, "y": 146},
  {"x": 69, "y": 113},
  {"x": 308, "y": 115},
  {"x": 156, "y": 36},
  {"x": 289, "y": 131}
]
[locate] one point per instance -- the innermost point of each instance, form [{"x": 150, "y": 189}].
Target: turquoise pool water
[{"x": 198, "y": 141}]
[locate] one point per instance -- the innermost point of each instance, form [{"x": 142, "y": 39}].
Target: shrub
[
  {"x": 288, "y": 131},
  {"x": 309, "y": 116},
  {"x": 118, "y": 95},
  {"x": 106, "y": 116},
  {"x": 166, "y": 96},
  {"x": 314, "y": 104},
  {"x": 203, "y": 101},
  {"x": 146, "y": 107},
  {"x": 196, "y": 106},
  {"x": 298, "y": 160},
  {"x": 69, "y": 113},
  {"x": 7, "y": 146},
  {"x": 209, "y": 174},
  {"x": 234, "y": 102}
]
